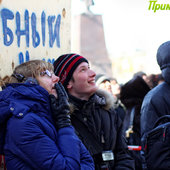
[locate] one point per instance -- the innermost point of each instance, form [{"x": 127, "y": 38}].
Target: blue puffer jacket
[{"x": 31, "y": 140}]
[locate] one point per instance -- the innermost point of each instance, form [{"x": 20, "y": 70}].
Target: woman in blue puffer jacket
[{"x": 35, "y": 129}]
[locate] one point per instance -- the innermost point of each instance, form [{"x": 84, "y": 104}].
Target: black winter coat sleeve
[{"x": 155, "y": 104}]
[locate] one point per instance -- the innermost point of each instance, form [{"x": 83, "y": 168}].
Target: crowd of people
[{"x": 65, "y": 116}]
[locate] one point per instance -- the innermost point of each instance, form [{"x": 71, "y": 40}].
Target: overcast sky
[{"x": 130, "y": 25}]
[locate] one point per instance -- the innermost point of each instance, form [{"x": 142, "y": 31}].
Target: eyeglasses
[
  {"x": 19, "y": 77},
  {"x": 46, "y": 72}
]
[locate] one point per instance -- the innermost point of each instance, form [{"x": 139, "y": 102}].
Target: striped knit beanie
[{"x": 65, "y": 65}]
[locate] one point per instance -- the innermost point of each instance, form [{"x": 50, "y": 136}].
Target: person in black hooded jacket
[
  {"x": 157, "y": 102},
  {"x": 131, "y": 95},
  {"x": 95, "y": 120}
]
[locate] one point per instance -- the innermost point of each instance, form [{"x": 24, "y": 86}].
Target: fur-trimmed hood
[
  {"x": 110, "y": 100},
  {"x": 101, "y": 97}
]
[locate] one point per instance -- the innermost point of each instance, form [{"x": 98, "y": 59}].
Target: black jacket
[
  {"x": 156, "y": 104},
  {"x": 99, "y": 117},
  {"x": 157, "y": 101},
  {"x": 132, "y": 94}
]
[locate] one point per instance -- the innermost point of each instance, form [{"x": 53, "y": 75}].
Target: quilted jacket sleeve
[
  {"x": 155, "y": 104},
  {"x": 36, "y": 142}
]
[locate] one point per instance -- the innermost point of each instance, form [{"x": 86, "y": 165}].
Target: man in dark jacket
[
  {"x": 93, "y": 116},
  {"x": 157, "y": 102}
]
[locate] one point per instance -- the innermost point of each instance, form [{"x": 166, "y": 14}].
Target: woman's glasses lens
[{"x": 46, "y": 72}]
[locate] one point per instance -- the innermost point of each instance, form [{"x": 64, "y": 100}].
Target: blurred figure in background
[
  {"x": 141, "y": 74},
  {"x": 115, "y": 87},
  {"x": 154, "y": 80},
  {"x": 103, "y": 82},
  {"x": 131, "y": 95},
  {"x": 110, "y": 84},
  {"x": 151, "y": 79}
]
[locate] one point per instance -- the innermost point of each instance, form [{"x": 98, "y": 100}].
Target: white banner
[{"x": 33, "y": 29}]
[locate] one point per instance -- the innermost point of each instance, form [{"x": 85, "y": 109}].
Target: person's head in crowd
[
  {"x": 103, "y": 82},
  {"x": 36, "y": 72},
  {"x": 154, "y": 80},
  {"x": 163, "y": 60},
  {"x": 115, "y": 87},
  {"x": 133, "y": 91},
  {"x": 75, "y": 75},
  {"x": 141, "y": 74}
]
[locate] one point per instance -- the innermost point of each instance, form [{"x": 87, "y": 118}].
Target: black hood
[
  {"x": 163, "y": 59},
  {"x": 133, "y": 92}
]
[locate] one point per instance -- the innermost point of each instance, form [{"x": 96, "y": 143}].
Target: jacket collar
[
  {"x": 101, "y": 97},
  {"x": 18, "y": 99}
]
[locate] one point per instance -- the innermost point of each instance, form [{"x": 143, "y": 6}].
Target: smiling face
[
  {"x": 82, "y": 85},
  {"x": 47, "y": 80}
]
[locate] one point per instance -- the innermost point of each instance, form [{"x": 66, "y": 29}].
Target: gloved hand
[{"x": 60, "y": 107}]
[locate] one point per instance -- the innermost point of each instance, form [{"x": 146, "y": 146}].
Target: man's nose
[{"x": 92, "y": 73}]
